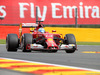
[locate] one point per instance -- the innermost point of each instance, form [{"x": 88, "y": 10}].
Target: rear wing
[
  {"x": 26, "y": 25},
  {"x": 29, "y": 25}
]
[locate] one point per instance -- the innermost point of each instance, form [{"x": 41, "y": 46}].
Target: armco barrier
[{"x": 81, "y": 34}]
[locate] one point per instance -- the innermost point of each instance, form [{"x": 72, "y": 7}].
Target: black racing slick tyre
[
  {"x": 70, "y": 39},
  {"x": 70, "y": 51},
  {"x": 26, "y": 39},
  {"x": 12, "y": 42}
]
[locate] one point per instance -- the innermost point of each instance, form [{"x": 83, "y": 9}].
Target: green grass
[
  {"x": 88, "y": 43},
  {"x": 2, "y": 41}
]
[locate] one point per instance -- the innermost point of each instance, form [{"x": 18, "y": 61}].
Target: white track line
[{"x": 54, "y": 64}]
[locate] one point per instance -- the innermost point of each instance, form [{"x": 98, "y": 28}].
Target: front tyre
[
  {"x": 26, "y": 39},
  {"x": 70, "y": 51},
  {"x": 70, "y": 39},
  {"x": 12, "y": 42}
]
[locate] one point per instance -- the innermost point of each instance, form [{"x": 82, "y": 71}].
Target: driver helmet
[{"x": 41, "y": 30}]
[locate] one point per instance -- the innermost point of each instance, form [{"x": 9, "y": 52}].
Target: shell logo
[{"x": 50, "y": 39}]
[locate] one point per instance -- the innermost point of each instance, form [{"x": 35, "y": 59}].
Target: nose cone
[{"x": 51, "y": 43}]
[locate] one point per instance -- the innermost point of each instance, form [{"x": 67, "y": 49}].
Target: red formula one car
[{"x": 40, "y": 40}]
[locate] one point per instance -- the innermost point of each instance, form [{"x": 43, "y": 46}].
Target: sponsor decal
[{"x": 51, "y": 12}]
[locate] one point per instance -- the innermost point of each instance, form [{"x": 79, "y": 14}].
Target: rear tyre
[
  {"x": 70, "y": 39},
  {"x": 12, "y": 42},
  {"x": 26, "y": 39}
]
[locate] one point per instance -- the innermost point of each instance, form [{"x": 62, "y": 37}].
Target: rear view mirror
[
  {"x": 31, "y": 30},
  {"x": 53, "y": 30}
]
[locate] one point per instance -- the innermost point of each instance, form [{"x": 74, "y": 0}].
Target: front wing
[{"x": 60, "y": 47}]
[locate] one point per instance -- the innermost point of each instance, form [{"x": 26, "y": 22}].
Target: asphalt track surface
[{"x": 77, "y": 59}]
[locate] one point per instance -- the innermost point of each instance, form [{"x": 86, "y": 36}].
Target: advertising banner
[{"x": 50, "y": 11}]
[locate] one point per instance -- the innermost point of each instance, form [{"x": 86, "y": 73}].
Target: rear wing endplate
[{"x": 26, "y": 25}]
